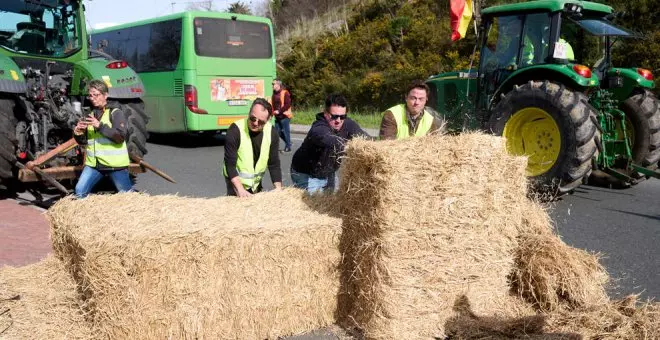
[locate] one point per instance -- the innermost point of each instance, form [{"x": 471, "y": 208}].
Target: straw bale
[
  {"x": 172, "y": 267},
  {"x": 551, "y": 274},
  {"x": 427, "y": 220},
  {"x": 39, "y": 301}
]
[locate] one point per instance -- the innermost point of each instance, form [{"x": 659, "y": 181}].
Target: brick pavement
[{"x": 24, "y": 234}]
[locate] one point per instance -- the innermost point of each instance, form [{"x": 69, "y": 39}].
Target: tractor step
[{"x": 646, "y": 171}]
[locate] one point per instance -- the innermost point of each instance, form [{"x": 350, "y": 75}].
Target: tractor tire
[
  {"x": 554, "y": 126},
  {"x": 8, "y": 142},
  {"x": 137, "y": 120},
  {"x": 643, "y": 111}
]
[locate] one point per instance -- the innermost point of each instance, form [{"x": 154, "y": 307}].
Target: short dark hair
[
  {"x": 98, "y": 85},
  {"x": 335, "y": 99},
  {"x": 263, "y": 102},
  {"x": 418, "y": 84}
]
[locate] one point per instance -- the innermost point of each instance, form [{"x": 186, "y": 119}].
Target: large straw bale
[
  {"x": 551, "y": 274},
  {"x": 39, "y": 301},
  {"x": 426, "y": 221},
  {"x": 157, "y": 267}
]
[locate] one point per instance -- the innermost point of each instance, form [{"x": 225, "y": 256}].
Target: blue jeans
[
  {"x": 313, "y": 184},
  {"x": 90, "y": 176},
  {"x": 284, "y": 130}
]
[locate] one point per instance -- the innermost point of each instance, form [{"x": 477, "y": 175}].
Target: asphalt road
[{"x": 622, "y": 225}]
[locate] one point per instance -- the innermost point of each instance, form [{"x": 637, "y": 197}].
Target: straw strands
[
  {"x": 39, "y": 301},
  {"x": 426, "y": 221},
  {"x": 156, "y": 267}
]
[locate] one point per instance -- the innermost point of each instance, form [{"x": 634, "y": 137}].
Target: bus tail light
[
  {"x": 648, "y": 75},
  {"x": 117, "y": 64},
  {"x": 190, "y": 96}
]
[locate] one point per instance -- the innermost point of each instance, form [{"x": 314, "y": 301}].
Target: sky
[{"x": 104, "y": 13}]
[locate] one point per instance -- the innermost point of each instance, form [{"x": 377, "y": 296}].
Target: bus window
[{"x": 224, "y": 38}]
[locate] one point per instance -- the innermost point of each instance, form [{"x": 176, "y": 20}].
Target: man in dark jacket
[{"x": 318, "y": 158}]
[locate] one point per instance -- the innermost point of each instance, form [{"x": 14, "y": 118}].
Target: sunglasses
[
  {"x": 254, "y": 119},
  {"x": 335, "y": 117}
]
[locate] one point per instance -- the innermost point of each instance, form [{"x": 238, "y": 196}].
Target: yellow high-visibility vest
[
  {"x": 402, "y": 130},
  {"x": 102, "y": 150},
  {"x": 249, "y": 173}
]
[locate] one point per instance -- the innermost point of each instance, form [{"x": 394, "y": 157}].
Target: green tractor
[
  {"x": 546, "y": 83},
  {"x": 45, "y": 65}
]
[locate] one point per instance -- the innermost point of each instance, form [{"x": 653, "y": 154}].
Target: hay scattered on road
[
  {"x": 39, "y": 301},
  {"x": 550, "y": 274},
  {"x": 427, "y": 220},
  {"x": 171, "y": 267}
]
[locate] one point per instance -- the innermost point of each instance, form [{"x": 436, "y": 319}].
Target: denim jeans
[
  {"x": 284, "y": 130},
  {"x": 313, "y": 184},
  {"x": 90, "y": 176}
]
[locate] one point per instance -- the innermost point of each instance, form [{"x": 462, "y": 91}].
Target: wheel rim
[{"x": 534, "y": 133}]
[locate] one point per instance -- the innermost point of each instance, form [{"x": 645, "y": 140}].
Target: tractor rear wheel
[
  {"x": 643, "y": 114},
  {"x": 7, "y": 142},
  {"x": 553, "y": 126}
]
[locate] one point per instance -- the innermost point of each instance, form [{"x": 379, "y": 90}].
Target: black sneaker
[{"x": 287, "y": 149}]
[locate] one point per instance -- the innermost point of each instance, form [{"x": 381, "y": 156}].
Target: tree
[
  {"x": 239, "y": 7},
  {"x": 201, "y": 6}
]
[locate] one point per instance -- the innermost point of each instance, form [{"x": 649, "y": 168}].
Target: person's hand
[
  {"x": 278, "y": 185},
  {"x": 80, "y": 127},
  {"x": 276, "y": 112},
  {"x": 91, "y": 120},
  {"x": 243, "y": 193}
]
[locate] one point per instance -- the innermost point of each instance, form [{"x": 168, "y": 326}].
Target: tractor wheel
[
  {"x": 7, "y": 142},
  {"x": 137, "y": 119},
  {"x": 643, "y": 114},
  {"x": 553, "y": 126}
]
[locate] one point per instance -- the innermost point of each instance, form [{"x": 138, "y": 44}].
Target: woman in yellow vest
[
  {"x": 251, "y": 146},
  {"x": 413, "y": 118},
  {"x": 103, "y": 134}
]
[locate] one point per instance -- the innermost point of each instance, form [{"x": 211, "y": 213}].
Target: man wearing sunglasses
[
  {"x": 251, "y": 146},
  {"x": 413, "y": 118},
  {"x": 315, "y": 163}
]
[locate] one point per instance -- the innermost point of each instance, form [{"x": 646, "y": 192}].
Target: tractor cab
[{"x": 44, "y": 28}]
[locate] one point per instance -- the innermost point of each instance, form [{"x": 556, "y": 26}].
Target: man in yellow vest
[
  {"x": 282, "y": 110},
  {"x": 413, "y": 118},
  {"x": 251, "y": 146},
  {"x": 103, "y": 134}
]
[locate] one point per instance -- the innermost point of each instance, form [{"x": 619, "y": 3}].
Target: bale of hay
[
  {"x": 39, "y": 301},
  {"x": 156, "y": 267},
  {"x": 427, "y": 220},
  {"x": 550, "y": 274}
]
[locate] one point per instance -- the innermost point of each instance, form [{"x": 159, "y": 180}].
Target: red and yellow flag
[{"x": 461, "y": 13}]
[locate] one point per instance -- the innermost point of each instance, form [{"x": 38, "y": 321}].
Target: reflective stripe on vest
[
  {"x": 102, "y": 150},
  {"x": 249, "y": 173},
  {"x": 402, "y": 130}
]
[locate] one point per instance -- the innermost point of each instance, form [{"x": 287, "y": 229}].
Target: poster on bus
[{"x": 236, "y": 90}]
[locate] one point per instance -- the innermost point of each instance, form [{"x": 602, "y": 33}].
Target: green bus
[{"x": 201, "y": 70}]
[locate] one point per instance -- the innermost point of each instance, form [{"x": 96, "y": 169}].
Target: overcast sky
[{"x": 103, "y": 13}]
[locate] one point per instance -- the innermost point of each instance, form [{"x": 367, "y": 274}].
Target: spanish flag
[{"x": 461, "y": 13}]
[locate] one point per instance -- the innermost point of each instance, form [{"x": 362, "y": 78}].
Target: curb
[{"x": 303, "y": 129}]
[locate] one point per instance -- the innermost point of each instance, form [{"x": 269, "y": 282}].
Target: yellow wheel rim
[{"x": 534, "y": 133}]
